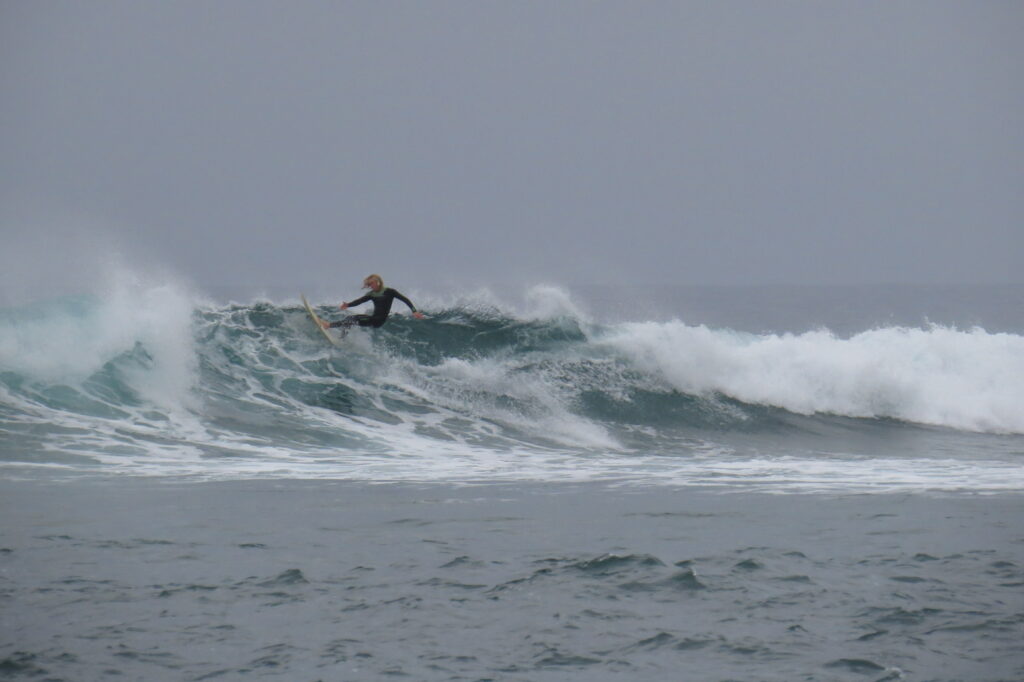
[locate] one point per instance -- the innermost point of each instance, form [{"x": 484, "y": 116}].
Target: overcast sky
[{"x": 482, "y": 142}]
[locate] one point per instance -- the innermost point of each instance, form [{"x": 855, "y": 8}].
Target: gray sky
[{"x": 443, "y": 143}]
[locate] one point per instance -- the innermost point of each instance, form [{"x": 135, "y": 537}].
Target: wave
[
  {"x": 150, "y": 377},
  {"x": 963, "y": 379}
]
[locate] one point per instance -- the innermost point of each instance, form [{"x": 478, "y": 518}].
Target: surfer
[{"x": 382, "y": 298}]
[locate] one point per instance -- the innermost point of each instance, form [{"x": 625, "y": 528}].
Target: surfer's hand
[{"x": 418, "y": 315}]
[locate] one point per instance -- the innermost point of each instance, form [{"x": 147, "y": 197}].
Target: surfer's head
[{"x": 373, "y": 283}]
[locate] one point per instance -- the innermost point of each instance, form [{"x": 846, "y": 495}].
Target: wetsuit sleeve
[
  {"x": 404, "y": 300},
  {"x": 359, "y": 301}
]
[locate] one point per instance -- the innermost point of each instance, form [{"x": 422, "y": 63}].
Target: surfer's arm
[
  {"x": 415, "y": 313},
  {"x": 359, "y": 301}
]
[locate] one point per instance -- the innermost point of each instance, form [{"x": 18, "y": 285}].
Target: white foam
[
  {"x": 970, "y": 380},
  {"x": 66, "y": 340},
  {"x": 540, "y": 302},
  {"x": 479, "y": 387},
  {"x": 549, "y": 302},
  {"x": 410, "y": 458}
]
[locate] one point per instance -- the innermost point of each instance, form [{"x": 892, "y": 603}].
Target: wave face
[{"x": 146, "y": 381}]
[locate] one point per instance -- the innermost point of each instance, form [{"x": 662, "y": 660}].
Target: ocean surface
[{"x": 776, "y": 483}]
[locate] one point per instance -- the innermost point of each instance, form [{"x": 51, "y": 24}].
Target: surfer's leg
[
  {"x": 351, "y": 321},
  {"x": 354, "y": 320},
  {"x": 345, "y": 323}
]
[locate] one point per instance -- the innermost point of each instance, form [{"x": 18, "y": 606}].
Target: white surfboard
[{"x": 316, "y": 320}]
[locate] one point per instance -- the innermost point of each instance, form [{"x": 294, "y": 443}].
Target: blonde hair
[{"x": 368, "y": 278}]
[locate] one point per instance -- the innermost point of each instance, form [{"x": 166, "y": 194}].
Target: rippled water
[{"x": 321, "y": 580}]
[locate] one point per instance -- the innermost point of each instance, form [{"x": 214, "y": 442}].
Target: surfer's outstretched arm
[
  {"x": 359, "y": 301},
  {"x": 415, "y": 313}
]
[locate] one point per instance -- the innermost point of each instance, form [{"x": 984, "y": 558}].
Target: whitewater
[
  {"x": 738, "y": 484},
  {"x": 153, "y": 380}
]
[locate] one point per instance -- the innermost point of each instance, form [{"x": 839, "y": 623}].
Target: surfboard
[{"x": 316, "y": 320}]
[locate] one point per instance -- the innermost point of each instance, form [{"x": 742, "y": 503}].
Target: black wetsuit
[{"x": 381, "y": 309}]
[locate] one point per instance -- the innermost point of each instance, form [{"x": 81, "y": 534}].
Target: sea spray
[{"x": 68, "y": 339}]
